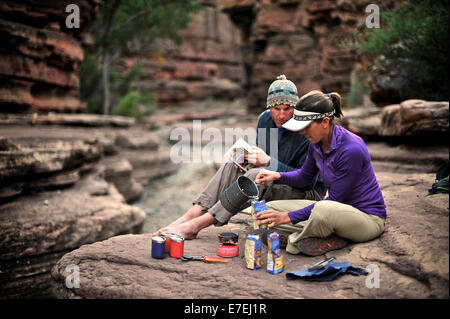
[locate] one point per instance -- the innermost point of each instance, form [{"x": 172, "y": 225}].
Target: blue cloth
[{"x": 327, "y": 273}]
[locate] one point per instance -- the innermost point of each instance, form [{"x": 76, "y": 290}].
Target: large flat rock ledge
[{"x": 411, "y": 255}]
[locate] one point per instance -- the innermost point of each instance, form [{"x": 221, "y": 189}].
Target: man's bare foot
[
  {"x": 190, "y": 229},
  {"x": 160, "y": 231},
  {"x": 187, "y": 230},
  {"x": 193, "y": 212}
]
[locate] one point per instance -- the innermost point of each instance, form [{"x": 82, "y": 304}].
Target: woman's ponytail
[{"x": 336, "y": 99}]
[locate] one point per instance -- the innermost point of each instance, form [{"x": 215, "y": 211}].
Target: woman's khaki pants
[{"x": 328, "y": 217}]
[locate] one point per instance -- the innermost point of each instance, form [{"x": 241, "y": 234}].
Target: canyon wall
[
  {"x": 207, "y": 65},
  {"x": 298, "y": 38},
  {"x": 236, "y": 48},
  {"x": 231, "y": 49},
  {"x": 40, "y": 56}
]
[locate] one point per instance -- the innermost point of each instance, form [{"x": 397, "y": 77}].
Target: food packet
[
  {"x": 275, "y": 261},
  {"x": 256, "y": 208},
  {"x": 253, "y": 252}
]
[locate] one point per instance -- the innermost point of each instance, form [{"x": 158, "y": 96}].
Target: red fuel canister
[
  {"x": 167, "y": 236},
  {"x": 176, "y": 246}
]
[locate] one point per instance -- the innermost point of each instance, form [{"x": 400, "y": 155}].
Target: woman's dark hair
[{"x": 319, "y": 102}]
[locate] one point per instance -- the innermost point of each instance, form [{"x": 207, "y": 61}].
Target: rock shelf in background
[
  {"x": 32, "y": 164},
  {"x": 415, "y": 118},
  {"x": 407, "y": 120},
  {"x": 37, "y": 227},
  {"x": 92, "y": 120}
]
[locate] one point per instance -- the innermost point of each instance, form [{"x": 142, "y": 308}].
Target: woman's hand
[
  {"x": 265, "y": 176},
  {"x": 272, "y": 218}
]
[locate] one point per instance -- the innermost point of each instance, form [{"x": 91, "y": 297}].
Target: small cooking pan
[{"x": 228, "y": 238}]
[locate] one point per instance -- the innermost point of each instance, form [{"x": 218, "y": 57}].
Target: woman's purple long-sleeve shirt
[{"x": 347, "y": 172}]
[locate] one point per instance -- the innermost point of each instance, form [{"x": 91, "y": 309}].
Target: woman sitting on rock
[{"x": 354, "y": 208}]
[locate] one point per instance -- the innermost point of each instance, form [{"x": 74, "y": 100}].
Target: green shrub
[
  {"x": 358, "y": 89},
  {"x": 414, "y": 37},
  {"x": 135, "y": 105},
  {"x": 120, "y": 84},
  {"x": 90, "y": 77},
  {"x": 119, "y": 25}
]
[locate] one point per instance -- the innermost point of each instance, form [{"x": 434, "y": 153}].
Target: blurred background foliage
[
  {"x": 359, "y": 91},
  {"x": 413, "y": 41},
  {"x": 119, "y": 23}
]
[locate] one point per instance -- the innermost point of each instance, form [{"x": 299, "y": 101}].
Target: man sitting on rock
[{"x": 292, "y": 150}]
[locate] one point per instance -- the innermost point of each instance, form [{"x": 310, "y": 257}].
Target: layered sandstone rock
[
  {"x": 37, "y": 228},
  {"x": 207, "y": 65},
  {"x": 40, "y": 58},
  {"x": 415, "y": 118},
  {"x": 65, "y": 186},
  {"x": 300, "y": 39},
  {"x": 411, "y": 119},
  {"x": 232, "y": 48},
  {"x": 30, "y": 165},
  {"x": 364, "y": 122}
]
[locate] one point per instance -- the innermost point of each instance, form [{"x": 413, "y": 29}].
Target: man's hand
[
  {"x": 257, "y": 157},
  {"x": 265, "y": 176},
  {"x": 272, "y": 218}
]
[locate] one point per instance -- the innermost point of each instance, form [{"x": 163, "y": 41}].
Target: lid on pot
[{"x": 228, "y": 238}]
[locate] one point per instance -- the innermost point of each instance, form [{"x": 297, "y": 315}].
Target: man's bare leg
[
  {"x": 190, "y": 229},
  {"x": 193, "y": 212}
]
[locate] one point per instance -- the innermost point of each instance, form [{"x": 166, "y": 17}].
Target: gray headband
[{"x": 310, "y": 117}]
